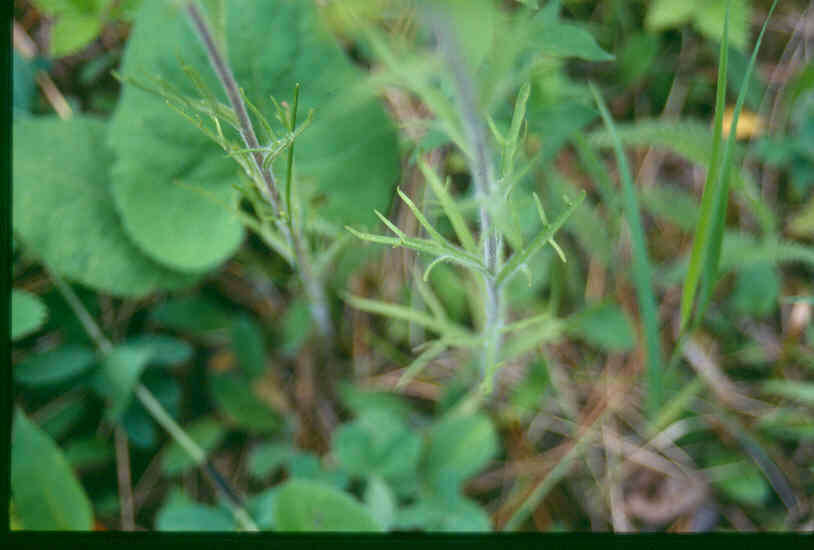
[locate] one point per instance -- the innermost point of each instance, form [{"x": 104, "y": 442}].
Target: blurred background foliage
[{"x": 214, "y": 324}]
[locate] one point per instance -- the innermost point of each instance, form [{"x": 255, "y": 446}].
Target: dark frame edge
[{"x": 5, "y": 262}]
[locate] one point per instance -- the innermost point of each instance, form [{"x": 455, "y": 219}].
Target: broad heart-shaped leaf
[
  {"x": 347, "y": 158},
  {"x": 304, "y": 505},
  {"x": 64, "y": 214},
  {"x": 28, "y": 313},
  {"x": 458, "y": 448},
  {"x": 47, "y": 495}
]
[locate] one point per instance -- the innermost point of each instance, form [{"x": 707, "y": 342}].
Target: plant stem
[
  {"x": 314, "y": 290},
  {"x": 154, "y": 407},
  {"x": 483, "y": 179}
]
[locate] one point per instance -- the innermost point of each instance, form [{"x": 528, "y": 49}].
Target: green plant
[
  {"x": 178, "y": 372},
  {"x": 463, "y": 118}
]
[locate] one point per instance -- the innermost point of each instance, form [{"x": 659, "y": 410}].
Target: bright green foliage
[
  {"x": 164, "y": 162},
  {"x": 454, "y": 514},
  {"x": 802, "y": 392},
  {"x": 302, "y": 505},
  {"x": 379, "y": 444},
  {"x": 54, "y": 366},
  {"x": 359, "y": 401},
  {"x": 555, "y": 38},
  {"x": 181, "y": 513},
  {"x": 79, "y": 22},
  {"x": 47, "y": 495},
  {"x": 64, "y": 214},
  {"x": 28, "y": 313},
  {"x": 261, "y": 508},
  {"x": 308, "y": 466},
  {"x": 381, "y": 502},
  {"x": 740, "y": 481},
  {"x": 458, "y": 448}
]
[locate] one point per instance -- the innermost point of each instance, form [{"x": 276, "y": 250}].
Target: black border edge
[{"x": 5, "y": 262}]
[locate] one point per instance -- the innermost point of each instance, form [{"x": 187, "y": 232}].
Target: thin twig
[{"x": 124, "y": 479}]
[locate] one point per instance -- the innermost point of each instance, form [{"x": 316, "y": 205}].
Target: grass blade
[
  {"x": 642, "y": 272},
  {"x": 703, "y": 230},
  {"x": 713, "y": 257}
]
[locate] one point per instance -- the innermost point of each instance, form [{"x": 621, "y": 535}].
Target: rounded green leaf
[
  {"x": 47, "y": 495},
  {"x": 28, "y": 314},
  {"x": 54, "y": 366},
  {"x": 302, "y": 505},
  {"x": 193, "y": 517},
  {"x": 64, "y": 214},
  {"x": 459, "y": 447},
  {"x": 456, "y": 514}
]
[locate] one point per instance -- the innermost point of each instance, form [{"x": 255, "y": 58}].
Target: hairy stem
[
  {"x": 483, "y": 179},
  {"x": 156, "y": 410},
  {"x": 314, "y": 290}
]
